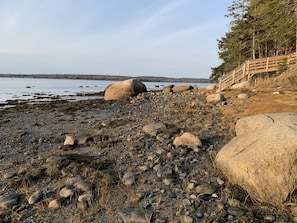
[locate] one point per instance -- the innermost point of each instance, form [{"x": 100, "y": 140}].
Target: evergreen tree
[{"x": 259, "y": 28}]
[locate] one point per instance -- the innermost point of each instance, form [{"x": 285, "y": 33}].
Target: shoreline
[{"x": 123, "y": 169}]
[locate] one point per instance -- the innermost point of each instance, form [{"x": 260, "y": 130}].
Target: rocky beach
[{"x": 146, "y": 159}]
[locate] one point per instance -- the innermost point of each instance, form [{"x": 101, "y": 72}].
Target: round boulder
[
  {"x": 262, "y": 157},
  {"x": 124, "y": 89}
]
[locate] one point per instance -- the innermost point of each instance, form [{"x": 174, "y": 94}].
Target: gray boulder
[
  {"x": 124, "y": 89},
  {"x": 182, "y": 88},
  {"x": 154, "y": 128},
  {"x": 215, "y": 98},
  {"x": 262, "y": 157},
  {"x": 211, "y": 87}
]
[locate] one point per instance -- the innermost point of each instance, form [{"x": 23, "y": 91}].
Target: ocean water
[{"x": 70, "y": 89}]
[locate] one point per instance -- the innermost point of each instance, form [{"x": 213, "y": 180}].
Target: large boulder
[
  {"x": 182, "y": 88},
  {"x": 262, "y": 157},
  {"x": 215, "y": 98},
  {"x": 124, "y": 89},
  {"x": 189, "y": 140}
]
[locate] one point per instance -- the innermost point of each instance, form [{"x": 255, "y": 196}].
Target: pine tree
[{"x": 259, "y": 28}]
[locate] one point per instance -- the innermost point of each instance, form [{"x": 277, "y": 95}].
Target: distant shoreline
[{"x": 106, "y": 77}]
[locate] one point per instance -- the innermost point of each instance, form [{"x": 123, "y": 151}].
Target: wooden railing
[{"x": 256, "y": 66}]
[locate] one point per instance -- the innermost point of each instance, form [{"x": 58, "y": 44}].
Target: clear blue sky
[{"x": 171, "y": 38}]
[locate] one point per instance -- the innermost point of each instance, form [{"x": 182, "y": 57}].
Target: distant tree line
[
  {"x": 258, "y": 28},
  {"x": 107, "y": 77}
]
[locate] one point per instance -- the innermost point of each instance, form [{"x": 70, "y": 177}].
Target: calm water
[{"x": 34, "y": 88}]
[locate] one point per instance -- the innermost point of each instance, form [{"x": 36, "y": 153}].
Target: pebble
[
  {"x": 54, "y": 204},
  {"x": 167, "y": 181},
  {"x": 220, "y": 181},
  {"x": 235, "y": 211},
  {"x": 144, "y": 168},
  {"x": 157, "y": 167},
  {"x": 67, "y": 191},
  {"x": 83, "y": 186},
  {"x": 186, "y": 219},
  {"x": 86, "y": 197},
  {"x": 34, "y": 198},
  {"x": 269, "y": 218},
  {"x": 243, "y": 96},
  {"x": 9, "y": 200},
  {"x": 135, "y": 214},
  {"x": 207, "y": 189},
  {"x": 128, "y": 179},
  {"x": 9, "y": 175},
  {"x": 164, "y": 172}
]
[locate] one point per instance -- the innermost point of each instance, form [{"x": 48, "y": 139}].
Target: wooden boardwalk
[{"x": 252, "y": 67}]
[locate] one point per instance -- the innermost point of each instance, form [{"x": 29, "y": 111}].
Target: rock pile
[{"x": 150, "y": 160}]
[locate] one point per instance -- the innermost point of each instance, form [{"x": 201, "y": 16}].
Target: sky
[{"x": 168, "y": 38}]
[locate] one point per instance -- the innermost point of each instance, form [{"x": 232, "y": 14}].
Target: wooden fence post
[
  {"x": 233, "y": 76},
  {"x": 248, "y": 69}
]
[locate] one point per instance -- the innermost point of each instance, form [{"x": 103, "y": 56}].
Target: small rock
[
  {"x": 214, "y": 195},
  {"x": 84, "y": 186},
  {"x": 143, "y": 168},
  {"x": 9, "y": 175},
  {"x": 276, "y": 92},
  {"x": 86, "y": 197},
  {"x": 186, "y": 219},
  {"x": 70, "y": 140},
  {"x": 235, "y": 211},
  {"x": 190, "y": 186},
  {"x": 269, "y": 218},
  {"x": 186, "y": 202},
  {"x": 215, "y": 98},
  {"x": 54, "y": 204},
  {"x": 9, "y": 200},
  {"x": 167, "y": 89},
  {"x": 220, "y": 181},
  {"x": 128, "y": 179},
  {"x": 243, "y": 96},
  {"x": 77, "y": 140},
  {"x": 134, "y": 214},
  {"x": 35, "y": 197},
  {"x": 193, "y": 197},
  {"x": 164, "y": 172},
  {"x": 157, "y": 167},
  {"x": 82, "y": 205},
  {"x": 153, "y": 129},
  {"x": 67, "y": 191},
  {"x": 207, "y": 189},
  {"x": 167, "y": 181},
  {"x": 187, "y": 139}
]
